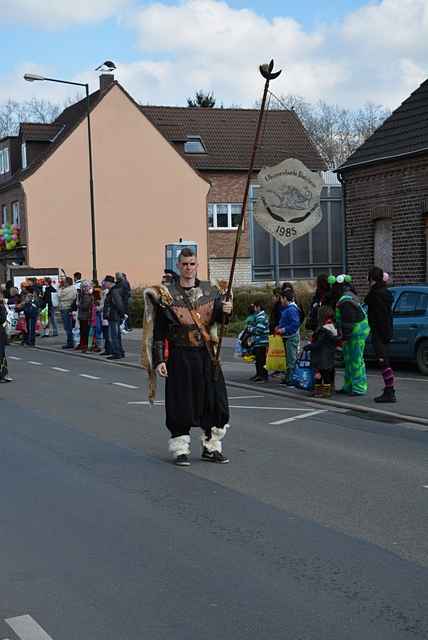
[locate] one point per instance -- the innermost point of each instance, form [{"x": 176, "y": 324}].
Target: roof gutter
[{"x": 382, "y": 159}]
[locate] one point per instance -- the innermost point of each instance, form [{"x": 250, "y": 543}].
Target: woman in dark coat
[
  {"x": 379, "y": 302},
  {"x": 4, "y": 377},
  {"x": 320, "y": 297}
]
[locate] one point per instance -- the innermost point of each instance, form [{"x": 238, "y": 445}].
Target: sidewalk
[{"x": 412, "y": 387}]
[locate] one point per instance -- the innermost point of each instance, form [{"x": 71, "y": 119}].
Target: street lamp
[{"x": 32, "y": 77}]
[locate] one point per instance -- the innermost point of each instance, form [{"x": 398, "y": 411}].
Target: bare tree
[
  {"x": 12, "y": 113},
  {"x": 335, "y": 130}
]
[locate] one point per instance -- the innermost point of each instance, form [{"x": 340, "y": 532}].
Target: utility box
[{"x": 173, "y": 250}]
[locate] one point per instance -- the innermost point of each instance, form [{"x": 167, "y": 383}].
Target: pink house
[{"x": 146, "y": 194}]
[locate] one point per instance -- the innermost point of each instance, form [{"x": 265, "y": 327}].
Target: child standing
[
  {"x": 288, "y": 327},
  {"x": 258, "y": 328},
  {"x": 322, "y": 350}
]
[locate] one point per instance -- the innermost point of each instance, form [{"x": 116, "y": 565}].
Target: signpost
[{"x": 288, "y": 200}]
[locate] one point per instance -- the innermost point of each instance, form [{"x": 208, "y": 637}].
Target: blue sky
[{"x": 346, "y": 51}]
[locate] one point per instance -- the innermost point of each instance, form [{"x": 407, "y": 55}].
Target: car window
[{"x": 411, "y": 303}]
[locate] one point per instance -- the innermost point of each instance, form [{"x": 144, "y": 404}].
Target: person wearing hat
[
  {"x": 353, "y": 327},
  {"x": 114, "y": 312}
]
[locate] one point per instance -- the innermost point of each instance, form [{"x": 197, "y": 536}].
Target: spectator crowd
[
  {"x": 94, "y": 315},
  {"x": 337, "y": 321}
]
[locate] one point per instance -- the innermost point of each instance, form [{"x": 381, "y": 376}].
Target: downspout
[{"x": 344, "y": 238}]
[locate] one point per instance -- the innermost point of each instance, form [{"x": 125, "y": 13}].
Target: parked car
[{"x": 410, "y": 319}]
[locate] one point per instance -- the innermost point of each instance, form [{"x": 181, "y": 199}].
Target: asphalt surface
[{"x": 315, "y": 530}]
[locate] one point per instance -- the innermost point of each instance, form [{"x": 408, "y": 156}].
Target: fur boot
[
  {"x": 214, "y": 443},
  {"x": 179, "y": 446}
]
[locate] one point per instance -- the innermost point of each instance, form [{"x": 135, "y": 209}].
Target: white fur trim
[
  {"x": 179, "y": 446},
  {"x": 217, "y": 435}
]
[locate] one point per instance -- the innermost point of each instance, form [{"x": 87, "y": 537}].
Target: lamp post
[{"x": 31, "y": 77}]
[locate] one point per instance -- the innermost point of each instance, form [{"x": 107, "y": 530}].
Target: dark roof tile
[
  {"x": 404, "y": 132},
  {"x": 228, "y": 136}
]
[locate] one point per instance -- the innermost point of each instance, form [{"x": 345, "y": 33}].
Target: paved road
[{"x": 316, "y": 530}]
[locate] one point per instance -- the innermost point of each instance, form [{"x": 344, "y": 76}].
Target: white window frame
[
  {"x": 4, "y": 212},
  {"x": 24, "y": 155},
  {"x": 4, "y": 161},
  {"x": 16, "y": 213},
  {"x": 213, "y": 206}
]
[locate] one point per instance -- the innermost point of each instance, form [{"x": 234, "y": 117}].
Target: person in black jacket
[
  {"x": 322, "y": 350},
  {"x": 4, "y": 374},
  {"x": 320, "y": 297},
  {"x": 379, "y": 306},
  {"x": 114, "y": 312}
]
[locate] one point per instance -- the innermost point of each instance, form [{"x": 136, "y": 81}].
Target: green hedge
[{"x": 243, "y": 297}]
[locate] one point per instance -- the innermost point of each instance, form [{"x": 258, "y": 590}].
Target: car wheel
[{"x": 422, "y": 357}]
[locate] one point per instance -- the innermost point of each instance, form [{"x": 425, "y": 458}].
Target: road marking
[
  {"x": 39, "y": 364},
  {"x": 146, "y": 402},
  {"x": 302, "y": 415},
  {"x": 14, "y": 358},
  {"x": 126, "y": 386},
  {"x": 27, "y": 628},
  {"x": 86, "y": 375},
  {"x": 244, "y": 397},
  {"x": 61, "y": 369},
  {"x": 243, "y": 406},
  {"x": 425, "y": 486}
]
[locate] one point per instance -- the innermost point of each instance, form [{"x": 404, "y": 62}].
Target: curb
[
  {"x": 274, "y": 392},
  {"x": 335, "y": 403}
]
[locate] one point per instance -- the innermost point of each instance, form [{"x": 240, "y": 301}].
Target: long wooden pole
[{"x": 267, "y": 72}]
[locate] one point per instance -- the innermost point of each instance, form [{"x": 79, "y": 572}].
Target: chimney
[{"x": 106, "y": 79}]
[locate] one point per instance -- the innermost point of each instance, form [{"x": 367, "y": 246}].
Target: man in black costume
[{"x": 179, "y": 336}]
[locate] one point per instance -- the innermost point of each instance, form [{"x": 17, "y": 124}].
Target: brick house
[
  {"x": 218, "y": 143},
  {"x": 146, "y": 194},
  {"x": 385, "y": 184}
]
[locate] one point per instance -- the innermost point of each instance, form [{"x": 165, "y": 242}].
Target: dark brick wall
[
  {"x": 227, "y": 187},
  {"x": 398, "y": 190}
]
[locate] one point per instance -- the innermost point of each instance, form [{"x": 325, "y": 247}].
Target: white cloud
[
  {"x": 54, "y": 14},
  {"x": 209, "y": 45},
  {"x": 376, "y": 54}
]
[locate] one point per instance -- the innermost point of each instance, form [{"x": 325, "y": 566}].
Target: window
[
  {"x": 383, "y": 244},
  {"x": 411, "y": 303},
  {"x": 16, "y": 214},
  {"x": 224, "y": 216},
  {"x": 24, "y": 155},
  {"x": 4, "y": 214},
  {"x": 194, "y": 144},
  {"x": 320, "y": 251},
  {"x": 4, "y": 160}
]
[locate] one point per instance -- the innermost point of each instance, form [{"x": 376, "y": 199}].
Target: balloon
[
  {"x": 10, "y": 245},
  {"x": 331, "y": 279},
  {"x": 340, "y": 279},
  {"x": 14, "y": 237}
]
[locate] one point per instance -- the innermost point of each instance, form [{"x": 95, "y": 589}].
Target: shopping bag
[
  {"x": 275, "y": 359},
  {"x": 237, "y": 352},
  {"x": 303, "y": 376},
  {"x": 91, "y": 337},
  {"x": 44, "y": 317}
]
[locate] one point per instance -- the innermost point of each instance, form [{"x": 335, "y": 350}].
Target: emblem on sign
[{"x": 288, "y": 200}]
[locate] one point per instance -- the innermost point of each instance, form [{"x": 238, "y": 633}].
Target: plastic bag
[
  {"x": 275, "y": 359},
  {"x": 237, "y": 351},
  {"x": 303, "y": 375},
  {"x": 44, "y": 317}
]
